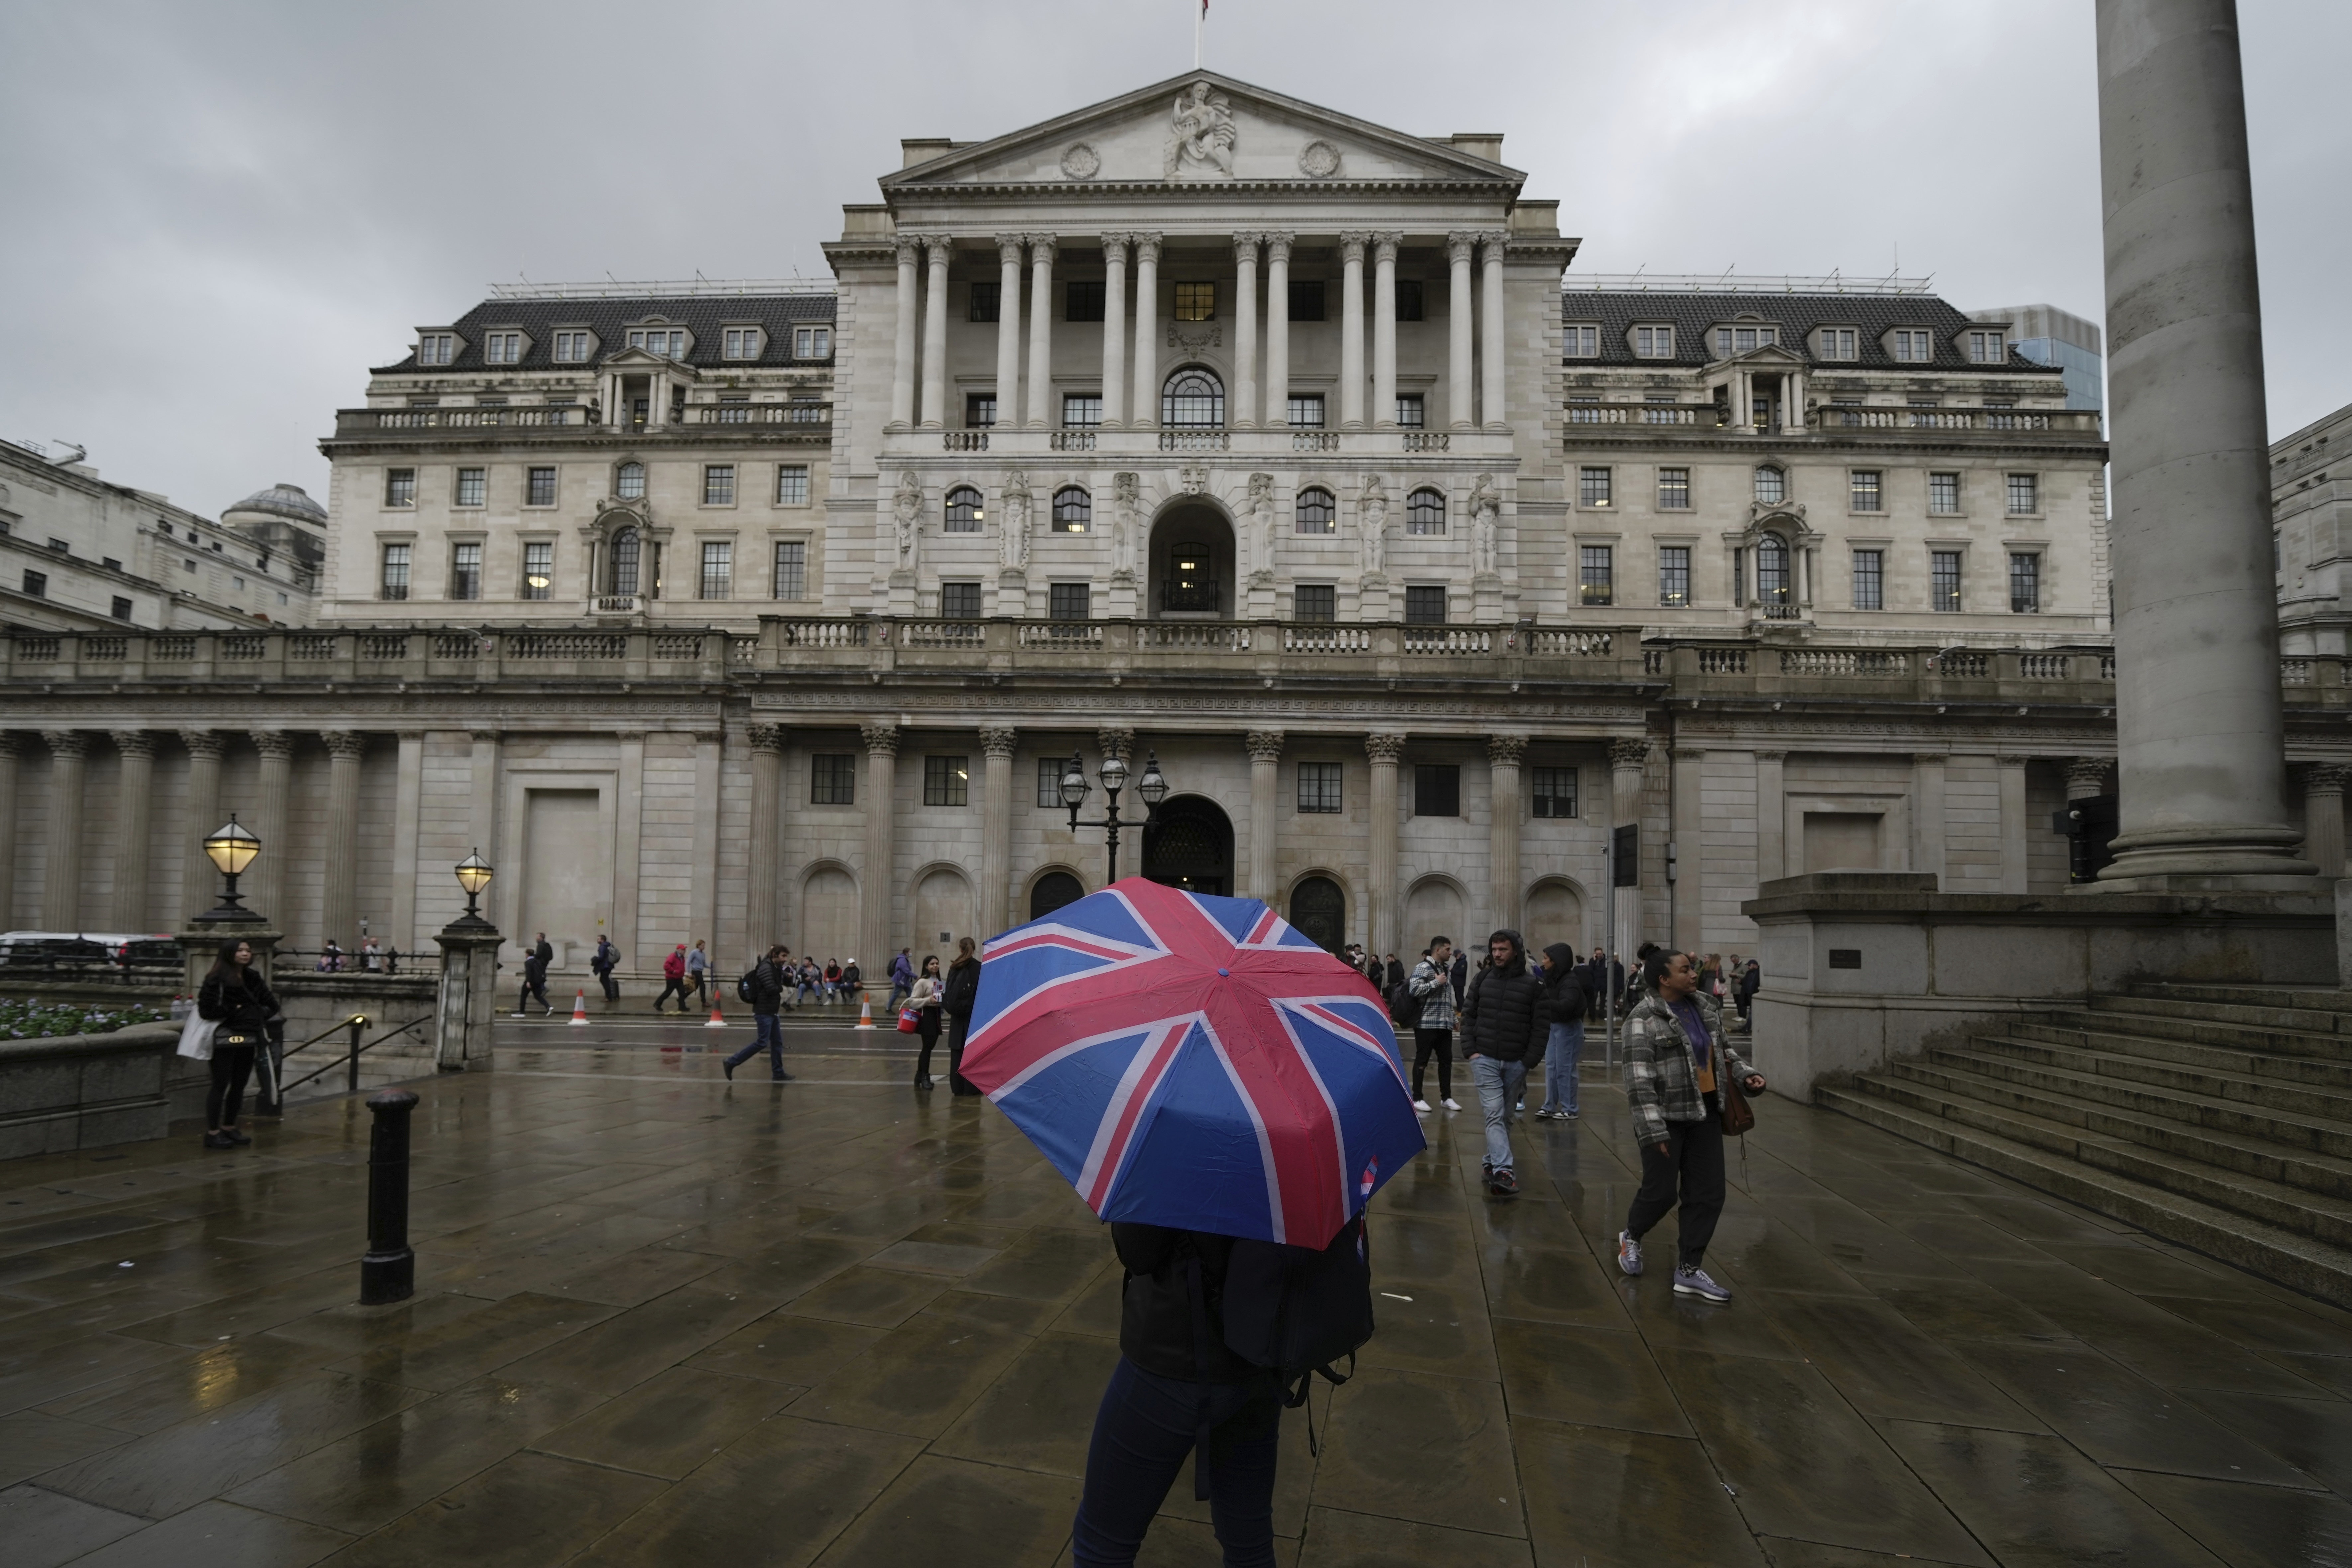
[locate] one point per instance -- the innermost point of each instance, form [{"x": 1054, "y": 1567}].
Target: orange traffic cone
[
  {"x": 580, "y": 1009},
  {"x": 716, "y": 1021},
  {"x": 865, "y": 1011}
]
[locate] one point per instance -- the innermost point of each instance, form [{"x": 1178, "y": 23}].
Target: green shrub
[{"x": 30, "y": 1018}]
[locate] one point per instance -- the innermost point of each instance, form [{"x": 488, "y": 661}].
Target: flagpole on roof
[{"x": 1198, "y": 20}]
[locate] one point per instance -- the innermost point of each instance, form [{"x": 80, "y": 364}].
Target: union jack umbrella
[{"x": 1195, "y": 1062}]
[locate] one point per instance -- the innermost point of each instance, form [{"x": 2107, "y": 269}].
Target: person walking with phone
[{"x": 1676, "y": 1065}]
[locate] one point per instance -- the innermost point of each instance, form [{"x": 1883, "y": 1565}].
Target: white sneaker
[
  {"x": 1422, "y": 1106},
  {"x": 1452, "y": 1105}
]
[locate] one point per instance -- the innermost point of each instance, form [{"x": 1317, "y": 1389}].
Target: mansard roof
[
  {"x": 704, "y": 316},
  {"x": 1693, "y": 313}
]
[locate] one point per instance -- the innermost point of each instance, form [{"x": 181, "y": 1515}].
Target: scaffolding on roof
[
  {"x": 690, "y": 289},
  {"x": 1729, "y": 283}
]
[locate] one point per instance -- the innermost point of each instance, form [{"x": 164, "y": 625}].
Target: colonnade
[{"x": 1131, "y": 381}]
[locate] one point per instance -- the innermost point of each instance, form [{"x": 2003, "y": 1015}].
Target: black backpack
[
  {"x": 1404, "y": 1007},
  {"x": 743, "y": 984}
]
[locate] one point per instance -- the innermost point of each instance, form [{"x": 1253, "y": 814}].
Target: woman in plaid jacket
[{"x": 1675, "y": 1056}]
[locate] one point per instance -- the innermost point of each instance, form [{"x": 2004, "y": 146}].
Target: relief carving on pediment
[{"x": 1201, "y": 144}]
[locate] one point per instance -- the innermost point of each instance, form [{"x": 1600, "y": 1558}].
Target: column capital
[
  {"x": 2323, "y": 778},
  {"x": 66, "y": 742},
  {"x": 1277, "y": 244},
  {"x": 2010, "y": 760},
  {"x": 1385, "y": 749},
  {"x": 1506, "y": 751},
  {"x": 133, "y": 742},
  {"x": 11, "y": 744},
  {"x": 940, "y": 247},
  {"x": 1146, "y": 247},
  {"x": 1116, "y": 740},
  {"x": 910, "y": 251},
  {"x": 2086, "y": 777},
  {"x": 348, "y": 744},
  {"x": 1246, "y": 245},
  {"x": 275, "y": 743},
  {"x": 1460, "y": 244},
  {"x": 1351, "y": 245},
  {"x": 1778, "y": 757},
  {"x": 1043, "y": 248},
  {"x": 1629, "y": 751},
  {"x": 1495, "y": 241},
  {"x": 1113, "y": 247},
  {"x": 999, "y": 740},
  {"x": 201, "y": 742},
  {"x": 1264, "y": 746},
  {"x": 881, "y": 740},
  {"x": 768, "y": 738},
  {"x": 1384, "y": 245},
  {"x": 1008, "y": 248}
]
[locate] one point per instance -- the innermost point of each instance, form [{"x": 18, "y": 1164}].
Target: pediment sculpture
[{"x": 1201, "y": 145}]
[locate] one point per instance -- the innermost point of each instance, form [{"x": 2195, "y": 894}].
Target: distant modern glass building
[{"x": 2048, "y": 335}]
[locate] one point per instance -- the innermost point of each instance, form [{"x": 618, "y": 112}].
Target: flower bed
[{"x": 30, "y": 1018}]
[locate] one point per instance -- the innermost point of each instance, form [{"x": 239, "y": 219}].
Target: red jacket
[{"x": 674, "y": 966}]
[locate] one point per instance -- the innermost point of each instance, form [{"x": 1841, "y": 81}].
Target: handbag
[
  {"x": 1739, "y": 1116},
  {"x": 909, "y": 1019},
  {"x": 197, "y": 1037}
]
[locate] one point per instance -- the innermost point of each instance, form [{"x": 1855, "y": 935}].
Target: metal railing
[{"x": 352, "y": 1027}]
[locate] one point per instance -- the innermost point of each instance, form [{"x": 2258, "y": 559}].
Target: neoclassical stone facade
[{"x": 1203, "y": 423}]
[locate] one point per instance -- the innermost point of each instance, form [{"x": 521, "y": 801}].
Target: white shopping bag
[{"x": 197, "y": 1037}]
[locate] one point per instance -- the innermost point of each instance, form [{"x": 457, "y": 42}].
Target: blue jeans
[
  {"x": 1144, "y": 1429},
  {"x": 1501, "y": 1085},
  {"x": 1560, "y": 1066},
  {"x": 765, "y": 1031}
]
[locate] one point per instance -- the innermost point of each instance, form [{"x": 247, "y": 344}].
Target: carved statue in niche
[
  {"x": 1014, "y": 505},
  {"x": 1203, "y": 137},
  {"x": 1486, "y": 525},
  {"x": 1126, "y": 502},
  {"x": 1372, "y": 517},
  {"x": 1262, "y": 521},
  {"x": 907, "y": 511}
]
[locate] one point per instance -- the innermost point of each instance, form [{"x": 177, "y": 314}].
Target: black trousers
[
  {"x": 1694, "y": 1157},
  {"x": 957, "y": 1029},
  {"x": 671, "y": 988},
  {"x": 232, "y": 1066},
  {"x": 1439, "y": 1043},
  {"x": 927, "y": 1029}
]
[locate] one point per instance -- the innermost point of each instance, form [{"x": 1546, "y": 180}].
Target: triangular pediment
[
  {"x": 1202, "y": 128},
  {"x": 1769, "y": 356}
]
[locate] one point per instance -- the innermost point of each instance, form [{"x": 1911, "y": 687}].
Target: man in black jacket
[
  {"x": 1503, "y": 1032},
  {"x": 767, "y": 983},
  {"x": 1563, "y": 1003}
]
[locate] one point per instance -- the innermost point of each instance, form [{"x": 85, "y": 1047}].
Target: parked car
[{"x": 151, "y": 950}]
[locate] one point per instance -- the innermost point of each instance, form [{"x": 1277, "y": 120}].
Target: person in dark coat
[
  {"x": 535, "y": 966},
  {"x": 962, "y": 991},
  {"x": 238, "y": 1000},
  {"x": 1503, "y": 1032},
  {"x": 1563, "y": 1005},
  {"x": 767, "y": 981},
  {"x": 929, "y": 998},
  {"x": 1751, "y": 980},
  {"x": 1166, "y": 1390},
  {"x": 607, "y": 959}
]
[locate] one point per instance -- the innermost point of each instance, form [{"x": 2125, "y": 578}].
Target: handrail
[{"x": 356, "y": 1022}]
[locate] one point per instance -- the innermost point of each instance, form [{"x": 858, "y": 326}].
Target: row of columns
[{"x": 1254, "y": 403}]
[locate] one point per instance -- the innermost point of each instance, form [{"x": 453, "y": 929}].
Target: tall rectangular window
[
  {"x": 436, "y": 348},
  {"x": 987, "y": 302},
  {"x": 1315, "y": 602},
  {"x": 473, "y": 485},
  {"x": 466, "y": 571},
  {"x": 832, "y": 778},
  {"x": 392, "y": 581},
  {"x": 1674, "y": 575},
  {"x": 947, "y": 780},
  {"x": 813, "y": 342},
  {"x": 572, "y": 348},
  {"x": 1306, "y": 411},
  {"x": 537, "y": 568},
  {"x": 36, "y": 584},
  {"x": 540, "y": 489},
  {"x": 1596, "y": 574},
  {"x": 1582, "y": 340},
  {"x": 1944, "y": 580},
  {"x": 1081, "y": 410},
  {"x": 719, "y": 484},
  {"x": 1838, "y": 342},
  {"x": 1409, "y": 415},
  {"x": 1196, "y": 301},
  {"x": 792, "y": 484},
  {"x": 1986, "y": 348},
  {"x": 718, "y": 570},
  {"x": 1069, "y": 601},
  {"x": 400, "y": 487},
  {"x": 2024, "y": 582},
  {"x": 960, "y": 601},
  {"x": 1049, "y": 782},
  {"x": 740, "y": 342},
  {"x": 1424, "y": 607},
  {"x": 502, "y": 348},
  {"x": 1436, "y": 790},
  {"x": 792, "y": 569},
  {"x": 1869, "y": 580},
  {"x": 1944, "y": 493},
  {"x": 1674, "y": 489},
  {"x": 1307, "y": 300},
  {"x": 979, "y": 410},
  {"x": 1318, "y": 788},
  {"x": 1914, "y": 347},
  {"x": 2024, "y": 494},
  {"x": 1082, "y": 302},
  {"x": 1653, "y": 342},
  {"x": 1864, "y": 487},
  {"x": 1592, "y": 487},
  {"x": 121, "y": 611},
  {"x": 1553, "y": 791},
  {"x": 1408, "y": 300}
]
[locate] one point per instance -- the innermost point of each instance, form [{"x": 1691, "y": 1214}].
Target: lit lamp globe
[
  {"x": 232, "y": 848},
  {"x": 474, "y": 874},
  {"x": 1154, "y": 785},
  {"x": 1075, "y": 787},
  {"x": 1113, "y": 774}
]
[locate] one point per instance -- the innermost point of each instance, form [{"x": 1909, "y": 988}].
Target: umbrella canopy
[{"x": 1195, "y": 1062}]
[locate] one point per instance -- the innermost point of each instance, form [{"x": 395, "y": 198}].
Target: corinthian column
[
  {"x": 935, "y": 336},
  {"x": 996, "y": 743},
  {"x": 877, "y": 885},
  {"x": 1459, "y": 245},
  {"x": 1041, "y": 334},
  {"x": 197, "y": 893},
  {"x": 62, "y": 870},
  {"x": 8, "y": 745},
  {"x": 902, "y": 369},
  {"x": 1381, "y": 876},
  {"x": 268, "y": 825},
  {"x": 1008, "y": 330},
  {"x": 1146, "y": 412},
  {"x": 1627, "y": 758},
  {"x": 1266, "y": 807},
  {"x": 1277, "y": 331},
  {"x": 760, "y": 924},
  {"x": 1504, "y": 753},
  {"x": 339, "y": 909},
  {"x": 1384, "y": 254},
  {"x": 1244, "y": 402},
  {"x": 134, "y": 821},
  {"x": 1351, "y": 333},
  {"x": 1114, "y": 355},
  {"x": 1491, "y": 314},
  {"x": 2322, "y": 818}
]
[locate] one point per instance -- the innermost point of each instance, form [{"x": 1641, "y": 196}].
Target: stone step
[
  {"x": 2204, "y": 1031},
  {"x": 2327, "y": 1006},
  {"x": 2122, "y": 1057},
  {"x": 2217, "y": 1155},
  {"x": 2295, "y": 1261},
  {"x": 2267, "y": 1066}
]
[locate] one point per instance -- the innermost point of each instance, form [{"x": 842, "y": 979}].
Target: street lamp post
[
  {"x": 474, "y": 874},
  {"x": 232, "y": 848},
  {"x": 1152, "y": 786}
]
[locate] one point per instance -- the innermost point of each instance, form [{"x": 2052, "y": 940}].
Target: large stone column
[
  {"x": 1114, "y": 353},
  {"x": 1384, "y": 254},
  {"x": 134, "y": 822},
  {"x": 1689, "y": 819},
  {"x": 1266, "y": 809},
  {"x": 1490, "y": 312},
  {"x": 62, "y": 868},
  {"x": 1459, "y": 245},
  {"x": 997, "y": 742},
  {"x": 1043, "y": 415},
  {"x": 1145, "y": 415},
  {"x": 1244, "y": 399},
  {"x": 1627, "y": 756},
  {"x": 1772, "y": 815},
  {"x": 1928, "y": 815},
  {"x": 935, "y": 336},
  {"x": 1277, "y": 331},
  {"x": 1381, "y": 914},
  {"x": 8, "y": 746},
  {"x": 879, "y": 878},
  {"x": 1351, "y": 333},
  {"x": 2199, "y": 737},
  {"x": 902, "y": 370},
  {"x": 407, "y": 827},
  {"x": 339, "y": 907},
  {"x": 268, "y": 825},
  {"x": 1008, "y": 330},
  {"x": 199, "y": 881},
  {"x": 2015, "y": 871},
  {"x": 759, "y": 921},
  {"x": 1504, "y": 754},
  {"x": 2322, "y": 818}
]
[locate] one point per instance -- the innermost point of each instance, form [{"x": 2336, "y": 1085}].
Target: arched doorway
[
  {"x": 1190, "y": 846},
  {"x": 1555, "y": 913},
  {"x": 943, "y": 911},
  {"x": 1051, "y": 891},
  {"x": 1318, "y": 909},
  {"x": 1189, "y": 569},
  {"x": 1435, "y": 907}
]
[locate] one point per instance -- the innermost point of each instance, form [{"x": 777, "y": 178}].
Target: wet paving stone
[
  {"x": 1886, "y": 1368},
  {"x": 669, "y": 1425},
  {"x": 2036, "y": 1502},
  {"x": 1626, "y": 1499},
  {"x": 915, "y": 1380},
  {"x": 1411, "y": 1446},
  {"x": 953, "y": 1510},
  {"x": 220, "y": 1535},
  {"x": 1585, "y": 1377},
  {"x": 1336, "y": 1538},
  {"x": 877, "y": 1298},
  {"x": 523, "y": 1512},
  {"x": 2250, "y": 1527},
  {"x": 44, "y": 1528},
  {"x": 1039, "y": 1413}
]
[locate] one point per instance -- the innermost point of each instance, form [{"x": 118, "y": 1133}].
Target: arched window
[
  {"x": 1771, "y": 486},
  {"x": 629, "y": 481},
  {"x": 1052, "y": 890},
  {"x": 622, "y": 579},
  {"x": 1319, "y": 911},
  {"x": 1191, "y": 582},
  {"x": 964, "y": 512},
  {"x": 1425, "y": 512},
  {"x": 1193, "y": 399},
  {"x": 1316, "y": 511},
  {"x": 1074, "y": 509},
  {"x": 1773, "y": 573}
]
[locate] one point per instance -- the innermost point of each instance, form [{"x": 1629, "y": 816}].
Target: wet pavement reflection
[{"x": 663, "y": 1318}]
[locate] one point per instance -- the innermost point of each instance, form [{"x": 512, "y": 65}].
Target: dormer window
[
  {"x": 574, "y": 347},
  {"x": 670, "y": 342},
  {"x": 1911, "y": 346},
  {"x": 742, "y": 343},
  {"x": 1729, "y": 340},
  {"x": 1988, "y": 348},
  {"x": 437, "y": 348},
  {"x": 1839, "y": 343},
  {"x": 1653, "y": 342},
  {"x": 813, "y": 342},
  {"x": 502, "y": 348},
  {"x": 1580, "y": 339}
]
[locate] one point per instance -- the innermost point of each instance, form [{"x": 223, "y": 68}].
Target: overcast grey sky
[{"x": 218, "y": 217}]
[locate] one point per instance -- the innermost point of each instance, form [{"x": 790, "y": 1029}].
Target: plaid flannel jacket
[{"x": 1659, "y": 1083}]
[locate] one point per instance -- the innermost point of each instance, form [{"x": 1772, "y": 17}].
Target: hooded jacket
[
  {"x": 1562, "y": 998},
  {"x": 1501, "y": 1016}
]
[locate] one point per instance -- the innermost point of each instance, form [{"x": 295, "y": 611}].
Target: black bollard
[{"x": 388, "y": 1272}]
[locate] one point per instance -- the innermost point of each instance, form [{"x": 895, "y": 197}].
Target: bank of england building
[{"x": 1205, "y": 425}]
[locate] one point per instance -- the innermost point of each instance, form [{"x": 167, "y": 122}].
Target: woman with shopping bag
[
  {"x": 923, "y": 1003},
  {"x": 238, "y": 1002}
]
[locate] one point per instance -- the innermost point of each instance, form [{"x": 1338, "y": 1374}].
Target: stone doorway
[
  {"x": 1190, "y": 846},
  {"x": 1189, "y": 569}
]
